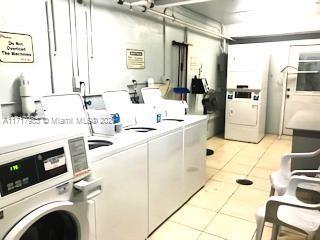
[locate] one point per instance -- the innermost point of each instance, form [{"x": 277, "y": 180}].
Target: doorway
[{"x": 303, "y": 82}]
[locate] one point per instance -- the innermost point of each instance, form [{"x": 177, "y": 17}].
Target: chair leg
[
  {"x": 272, "y": 191},
  {"x": 275, "y": 231},
  {"x": 260, "y": 226}
]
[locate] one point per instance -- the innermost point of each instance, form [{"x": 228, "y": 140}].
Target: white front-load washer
[{"x": 45, "y": 190}]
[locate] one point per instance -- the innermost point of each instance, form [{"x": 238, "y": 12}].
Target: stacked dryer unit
[{"x": 247, "y": 84}]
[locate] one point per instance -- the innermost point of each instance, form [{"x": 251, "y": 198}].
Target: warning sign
[
  {"x": 16, "y": 48},
  {"x": 135, "y": 59}
]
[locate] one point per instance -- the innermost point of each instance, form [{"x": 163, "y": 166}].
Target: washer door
[{"x": 56, "y": 221}]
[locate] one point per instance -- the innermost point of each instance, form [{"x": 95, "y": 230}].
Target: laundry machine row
[
  {"x": 144, "y": 170},
  {"x": 45, "y": 186}
]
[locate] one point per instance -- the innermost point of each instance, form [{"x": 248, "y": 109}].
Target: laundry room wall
[
  {"x": 88, "y": 43},
  {"x": 116, "y": 29},
  {"x": 16, "y": 18}
]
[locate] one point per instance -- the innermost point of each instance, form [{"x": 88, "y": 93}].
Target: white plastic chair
[
  {"x": 290, "y": 212},
  {"x": 280, "y": 179}
]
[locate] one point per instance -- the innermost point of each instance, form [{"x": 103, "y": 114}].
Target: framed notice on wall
[
  {"x": 135, "y": 59},
  {"x": 16, "y": 48}
]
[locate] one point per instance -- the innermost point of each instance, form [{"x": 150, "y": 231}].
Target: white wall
[
  {"x": 28, "y": 17},
  {"x": 114, "y": 29},
  {"x": 132, "y": 30}
]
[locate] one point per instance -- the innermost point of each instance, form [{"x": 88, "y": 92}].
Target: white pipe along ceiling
[{"x": 148, "y": 5}]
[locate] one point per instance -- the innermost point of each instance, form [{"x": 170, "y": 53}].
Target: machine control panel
[
  {"x": 243, "y": 95},
  {"x": 31, "y": 170},
  {"x": 253, "y": 95}
]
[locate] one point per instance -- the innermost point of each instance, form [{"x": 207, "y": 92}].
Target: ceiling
[
  {"x": 236, "y": 11},
  {"x": 220, "y": 10}
]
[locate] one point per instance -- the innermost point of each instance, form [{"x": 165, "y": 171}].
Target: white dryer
[
  {"x": 245, "y": 115},
  {"x": 44, "y": 188}
]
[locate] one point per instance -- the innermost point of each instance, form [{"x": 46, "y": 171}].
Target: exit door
[{"x": 303, "y": 82}]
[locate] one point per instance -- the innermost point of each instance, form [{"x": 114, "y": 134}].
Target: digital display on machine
[
  {"x": 243, "y": 95},
  {"x": 15, "y": 167},
  {"x": 28, "y": 171}
]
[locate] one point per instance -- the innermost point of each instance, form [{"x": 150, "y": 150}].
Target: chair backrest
[{"x": 285, "y": 166}]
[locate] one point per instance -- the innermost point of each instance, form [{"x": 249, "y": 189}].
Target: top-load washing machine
[
  {"x": 45, "y": 189},
  {"x": 122, "y": 208},
  {"x": 164, "y": 155},
  {"x": 194, "y": 137}
]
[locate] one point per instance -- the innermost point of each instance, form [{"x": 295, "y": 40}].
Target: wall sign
[
  {"x": 194, "y": 64},
  {"x": 135, "y": 59},
  {"x": 16, "y": 48}
]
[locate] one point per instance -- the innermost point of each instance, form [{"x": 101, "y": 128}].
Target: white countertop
[{"x": 305, "y": 120}]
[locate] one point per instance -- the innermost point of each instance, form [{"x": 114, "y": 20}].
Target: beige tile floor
[{"x": 223, "y": 209}]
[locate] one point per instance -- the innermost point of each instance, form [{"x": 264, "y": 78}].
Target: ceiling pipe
[
  {"x": 174, "y": 3},
  {"x": 146, "y": 5},
  {"x": 190, "y": 25}
]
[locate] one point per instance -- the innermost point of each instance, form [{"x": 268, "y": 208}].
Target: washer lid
[
  {"x": 67, "y": 110},
  {"x": 118, "y": 101}
]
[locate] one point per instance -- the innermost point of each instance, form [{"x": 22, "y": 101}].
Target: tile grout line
[{"x": 219, "y": 211}]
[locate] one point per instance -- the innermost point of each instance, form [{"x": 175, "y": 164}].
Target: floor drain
[
  {"x": 209, "y": 152},
  {"x": 244, "y": 182}
]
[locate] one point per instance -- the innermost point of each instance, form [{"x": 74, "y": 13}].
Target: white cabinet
[
  {"x": 166, "y": 191},
  {"x": 122, "y": 208},
  {"x": 194, "y": 158}
]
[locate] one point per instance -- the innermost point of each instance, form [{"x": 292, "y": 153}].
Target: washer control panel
[
  {"x": 243, "y": 95},
  {"x": 25, "y": 172}
]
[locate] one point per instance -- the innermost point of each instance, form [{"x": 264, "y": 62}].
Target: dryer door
[
  {"x": 58, "y": 220},
  {"x": 242, "y": 113}
]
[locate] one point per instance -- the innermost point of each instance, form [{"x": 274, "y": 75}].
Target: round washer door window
[{"x": 58, "y": 225}]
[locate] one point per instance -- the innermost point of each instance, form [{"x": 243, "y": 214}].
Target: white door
[{"x": 303, "y": 82}]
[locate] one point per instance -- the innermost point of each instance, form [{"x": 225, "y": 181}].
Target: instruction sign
[
  {"x": 16, "y": 48},
  {"x": 135, "y": 59},
  {"x": 194, "y": 64}
]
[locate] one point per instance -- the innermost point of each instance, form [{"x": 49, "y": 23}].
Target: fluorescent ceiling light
[{"x": 173, "y": 3}]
